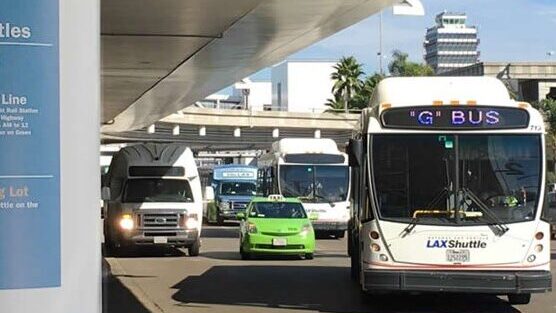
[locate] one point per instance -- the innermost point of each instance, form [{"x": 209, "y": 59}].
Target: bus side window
[
  {"x": 549, "y": 207},
  {"x": 365, "y": 200}
]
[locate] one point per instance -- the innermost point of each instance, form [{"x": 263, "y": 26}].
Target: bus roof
[
  {"x": 418, "y": 91},
  {"x": 305, "y": 145}
]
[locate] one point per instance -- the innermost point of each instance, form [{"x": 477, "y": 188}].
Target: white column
[{"x": 78, "y": 288}]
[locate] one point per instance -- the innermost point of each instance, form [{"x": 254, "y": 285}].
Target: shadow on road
[
  {"x": 235, "y": 256},
  {"x": 144, "y": 252},
  {"x": 116, "y": 298},
  {"x": 324, "y": 289}
]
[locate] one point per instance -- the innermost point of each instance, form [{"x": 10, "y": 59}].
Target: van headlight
[
  {"x": 126, "y": 222},
  {"x": 224, "y": 206},
  {"x": 192, "y": 222}
]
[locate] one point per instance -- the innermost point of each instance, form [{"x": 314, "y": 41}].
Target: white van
[{"x": 153, "y": 197}]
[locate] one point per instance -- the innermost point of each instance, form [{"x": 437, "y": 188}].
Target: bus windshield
[
  {"x": 157, "y": 190},
  {"x": 469, "y": 179},
  {"x": 320, "y": 184},
  {"x": 238, "y": 189}
]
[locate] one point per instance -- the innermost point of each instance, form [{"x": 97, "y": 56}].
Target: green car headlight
[
  {"x": 306, "y": 229},
  {"x": 251, "y": 228}
]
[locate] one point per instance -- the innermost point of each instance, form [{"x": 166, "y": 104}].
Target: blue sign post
[{"x": 30, "y": 144}]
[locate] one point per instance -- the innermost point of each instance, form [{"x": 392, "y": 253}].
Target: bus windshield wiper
[
  {"x": 429, "y": 206},
  {"x": 332, "y": 204},
  {"x": 500, "y": 228}
]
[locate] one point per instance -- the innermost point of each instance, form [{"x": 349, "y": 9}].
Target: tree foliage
[
  {"x": 351, "y": 90},
  {"x": 347, "y": 83},
  {"x": 547, "y": 107},
  {"x": 401, "y": 66}
]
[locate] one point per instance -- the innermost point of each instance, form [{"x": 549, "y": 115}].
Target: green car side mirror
[
  {"x": 241, "y": 216},
  {"x": 313, "y": 216}
]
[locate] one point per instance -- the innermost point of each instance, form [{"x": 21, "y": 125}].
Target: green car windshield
[{"x": 277, "y": 210}]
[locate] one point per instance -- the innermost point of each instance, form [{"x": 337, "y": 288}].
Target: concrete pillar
[{"x": 50, "y": 259}]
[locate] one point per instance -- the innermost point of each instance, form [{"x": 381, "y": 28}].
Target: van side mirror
[
  {"x": 355, "y": 152},
  {"x": 209, "y": 193},
  {"x": 105, "y": 194}
]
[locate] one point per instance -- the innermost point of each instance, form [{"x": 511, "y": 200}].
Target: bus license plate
[
  {"x": 279, "y": 242},
  {"x": 457, "y": 256},
  {"x": 159, "y": 239}
]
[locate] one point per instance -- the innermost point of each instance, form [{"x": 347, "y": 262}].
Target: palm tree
[
  {"x": 335, "y": 104},
  {"x": 363, "y": 97},
  {"x": 347, "y": 82}
]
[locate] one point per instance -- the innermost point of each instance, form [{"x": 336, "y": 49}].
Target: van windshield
[
  {"x": 157, "y": 190},
  {"x": 238, "y": 189}
]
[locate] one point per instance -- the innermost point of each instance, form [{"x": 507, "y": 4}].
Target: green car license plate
[{"x": 279, "y": 242}]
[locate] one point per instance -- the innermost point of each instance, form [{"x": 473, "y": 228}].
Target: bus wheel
[
  {"x": 519, "y": 298},
  {"x": 195, "y": 248}
]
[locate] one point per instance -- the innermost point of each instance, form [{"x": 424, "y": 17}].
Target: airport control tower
[{"x": 451, "y": 44}]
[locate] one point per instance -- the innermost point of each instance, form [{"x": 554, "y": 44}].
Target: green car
[{"x": 276, "y": 226}]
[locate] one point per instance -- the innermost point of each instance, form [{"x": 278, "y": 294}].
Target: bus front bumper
[
  {"x": 329, "y": 226},
  {"x": 507, "y": 282}
]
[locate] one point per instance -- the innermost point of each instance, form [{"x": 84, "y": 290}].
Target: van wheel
[
  {"x": 219, "y": 219},
  {"x": 195, "y": 248},
  {"x": 309, "y": 256},
  {"x": 519, "y": 298}
]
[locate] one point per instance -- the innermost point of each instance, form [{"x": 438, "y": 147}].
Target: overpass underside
[{"x": 159, "y": 57}]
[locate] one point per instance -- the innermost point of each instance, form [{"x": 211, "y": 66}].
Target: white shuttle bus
[
  {"x": 153, "y": 197},
  {"x": 448, "y": 187},
  {"x": 317, "y": 173}
]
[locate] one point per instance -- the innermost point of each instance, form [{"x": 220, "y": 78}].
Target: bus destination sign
[{"x": 436, "y": 117}]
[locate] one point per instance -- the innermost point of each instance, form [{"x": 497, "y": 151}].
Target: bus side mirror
[
  {"x": 209, "y": 193},
  {"x": 355, "y": 152},
  {"x": 105, "y": 194}
]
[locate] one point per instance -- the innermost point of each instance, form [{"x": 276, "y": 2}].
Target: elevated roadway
[{"x": 217, "y": 130}]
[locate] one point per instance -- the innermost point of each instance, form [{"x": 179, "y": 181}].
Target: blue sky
[{"x": 509, "y": 30}]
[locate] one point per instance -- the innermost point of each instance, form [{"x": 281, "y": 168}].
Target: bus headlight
[{"x": 126, "y": 222}]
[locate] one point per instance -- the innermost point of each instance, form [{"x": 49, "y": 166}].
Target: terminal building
[
  {"x": 451, "y": 44},
  {"x": 529, "y": 81}
]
